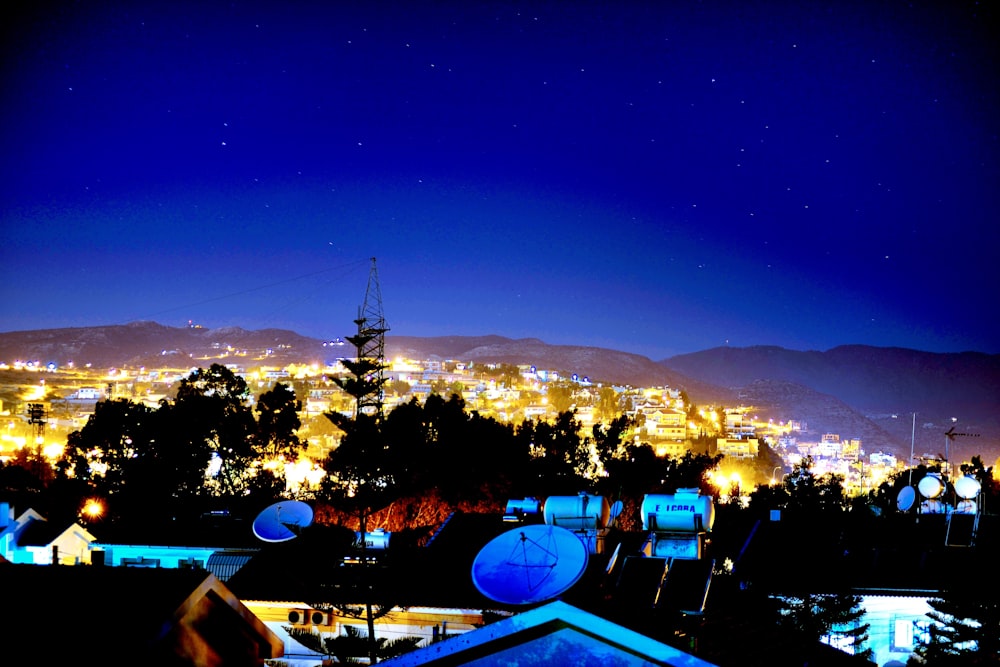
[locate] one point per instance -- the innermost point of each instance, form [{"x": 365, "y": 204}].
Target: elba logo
[{"x": 678, "y": 508}]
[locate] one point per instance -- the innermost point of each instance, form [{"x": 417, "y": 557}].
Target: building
[
  {"x": 31, "y": 538},
  {"x": 114, "y": 616},
  {"x": 737, "y": 448},
  {"x": 534, "y": 637}
]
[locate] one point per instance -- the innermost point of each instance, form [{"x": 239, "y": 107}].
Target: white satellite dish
[
  {"x": 529, "y": 564},
  {"x": 282, "y": 521},
  {"x": 967, "y": 487},
  {"x": 905, "y": 498},
  {"x": 931, "y": 486}
]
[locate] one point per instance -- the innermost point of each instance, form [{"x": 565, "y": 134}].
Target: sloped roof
[
  {"x": 556, "y": 633},
  {"x": 230, "y": 532},
  {"x": 41, "y": 533},
  {"x": 117, "y": 616}
]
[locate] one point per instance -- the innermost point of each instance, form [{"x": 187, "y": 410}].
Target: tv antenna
[{"x": 950, "y": 436}]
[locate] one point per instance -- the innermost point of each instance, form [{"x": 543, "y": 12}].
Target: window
[{"x": 902, "y": 634}]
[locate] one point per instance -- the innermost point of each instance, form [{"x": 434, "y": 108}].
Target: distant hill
[
  {"x": 598, "y": 364},
  {"x": 876, "y": 382},
  {"x": 147, "y": 344},
  {"x": 851, "y": 390}
]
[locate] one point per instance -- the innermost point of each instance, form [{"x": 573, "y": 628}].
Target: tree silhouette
[
  {"x": 353, "y": 644},
  {"x": 278, "y": 423},
  {"x": 812, "y": 616},
  {"x": 965, "y": 626},
  {"x": 105, "y": 450},
  {"x": 214, "y": 404}
]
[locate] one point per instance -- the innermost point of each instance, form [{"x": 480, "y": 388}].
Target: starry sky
[{"x": 652, "y": 177}]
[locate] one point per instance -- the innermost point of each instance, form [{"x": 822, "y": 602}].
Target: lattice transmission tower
[{"x": 368, "y": 367}]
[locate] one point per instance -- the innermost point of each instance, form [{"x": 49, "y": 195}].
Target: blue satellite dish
[
  {"x": 282, "y": 521},
  {"x": 905, "y": 498},
  {"x": 529, "y": 564}
]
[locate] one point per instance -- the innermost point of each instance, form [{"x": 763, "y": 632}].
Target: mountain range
[{"x": 893, "y": 399}]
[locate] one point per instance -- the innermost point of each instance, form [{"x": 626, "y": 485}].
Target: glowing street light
[{"x": 93, "y": 508}]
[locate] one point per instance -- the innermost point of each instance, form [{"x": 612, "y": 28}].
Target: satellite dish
[
  {"x": 616, "y": 509},
  {"x": 282, "y": 521},
  {"x": 905, "y": 498},
  {"x": 931, "y": 486},
  {"x": 529, "y": 564},
  {"x": 967, "y": 487}
]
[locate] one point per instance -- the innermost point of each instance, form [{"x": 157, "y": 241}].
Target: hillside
[
  {"x": 598, "y": 364},
  {"x": 150, "y": 344},
  {"x": 856, "y": 391},
  {"x": 886, "y": 385}
]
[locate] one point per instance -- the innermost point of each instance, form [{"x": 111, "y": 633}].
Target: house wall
[
  {"x": 428, "y": 623},
  {"x": 896, "y": 624},
  {"x": 154, "y": 556}
]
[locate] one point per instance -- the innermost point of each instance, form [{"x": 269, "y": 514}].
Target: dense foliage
[{"x": 204, "y": 444}]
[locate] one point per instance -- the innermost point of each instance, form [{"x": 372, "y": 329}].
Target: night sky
[{"x": 654, "y": 177}]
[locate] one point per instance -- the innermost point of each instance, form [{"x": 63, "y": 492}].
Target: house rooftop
[
  {"x": 122, "y": 616},
  {"x": 535, "y": 638}
]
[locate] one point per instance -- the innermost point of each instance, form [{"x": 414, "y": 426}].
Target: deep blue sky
[{"x": 655, "y": 177}]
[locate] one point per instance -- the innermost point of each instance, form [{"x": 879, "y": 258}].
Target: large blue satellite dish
[
  {"x": 529, "y": 564},
  {"x": 282, "y": 521},
  {"x": 905, "y": 498}
]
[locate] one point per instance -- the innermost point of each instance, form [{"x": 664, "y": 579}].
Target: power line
[{"x": 345, "y": 267}]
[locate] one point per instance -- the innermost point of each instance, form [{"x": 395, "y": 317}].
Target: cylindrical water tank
[
  {"x": 526, "y": 506},
  {"x": 685, "y": 511},
  {"x": 933, "y": 507},
  {"x": 577, "y": 512},
  {"x": 931, "y": 485},
  {"x": 967, "y": 487}
]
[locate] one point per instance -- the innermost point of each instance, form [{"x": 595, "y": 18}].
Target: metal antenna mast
[
  {"x": 36, "y": 417},
  {"x": 950, "y": 436},
  {"x": 369, "y": 365}
]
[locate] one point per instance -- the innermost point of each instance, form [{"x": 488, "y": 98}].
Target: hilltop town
[{"x": 43, "y": 403}]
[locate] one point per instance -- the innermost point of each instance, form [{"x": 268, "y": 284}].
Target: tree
[
  {"x": 984, "y": 475},
  {"x": 609, "y": 441},
  {"x": 399, "y": 387},
  {"x": 214, "y": 404},
  {"x": 607, "y": 403},
  {"x": 556, "y": 454},
  {"x": 836, "y": 616},
  {"x": 361, "y": 473},
  {"x": 803, "y": 493},
  {"x": 560, "y": 397},
  {"x": 278, "y": 423},
  {"x": 105, "y": 451},
  {"x": 965, "y": 626},
  {"x": 353, "y": 644},
  {"x": 140, "y": 459}
]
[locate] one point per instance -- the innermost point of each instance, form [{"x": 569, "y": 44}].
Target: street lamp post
[{"x": 774, "y": 474}]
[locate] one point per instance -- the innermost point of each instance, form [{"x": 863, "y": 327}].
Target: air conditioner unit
[
  {"x": 299, "y": 616},
  {"x": 317, "y": 617}
]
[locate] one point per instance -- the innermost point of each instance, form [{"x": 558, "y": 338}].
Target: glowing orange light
[{"x": 93, "y": 508}]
